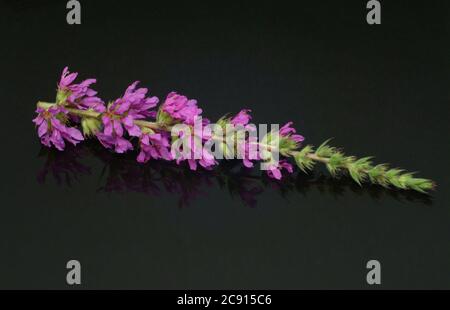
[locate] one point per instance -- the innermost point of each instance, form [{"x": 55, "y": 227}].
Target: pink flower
[
  {"x": 275, "y": 170},
  {"x": 196, "y": 153},
  {"x": 290, "y": 132},
  {"x": 181, "y": 108},
  {"x": 154, "y": 145},
  {"x": 243, "y": 146},
  {"x": 135, "y": 102},
  {"x": 52, "y": 131},
  {"x": 121, "y": 115},
  {"x": 80, "y": 94},
  {"x": 207, "y": 160},
  {"x": 118, "y": 143},
  {"x": 248, "y": 150},
  {"x": 242, "y": 118}
]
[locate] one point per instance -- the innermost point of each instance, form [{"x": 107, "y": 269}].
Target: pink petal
[
  {"x": 42, "y": 130},
  {"x": 118, "y": 127},
  {"x": 247, "y": 163},
  {"x": 75, "y": 133}
]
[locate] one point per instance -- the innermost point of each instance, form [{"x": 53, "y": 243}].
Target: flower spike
[{"x": 135, "y": 121}]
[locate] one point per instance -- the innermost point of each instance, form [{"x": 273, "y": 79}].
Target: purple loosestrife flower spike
[
  {"x": 52, "y": 130},
  {"x": 132, "y": 115}
]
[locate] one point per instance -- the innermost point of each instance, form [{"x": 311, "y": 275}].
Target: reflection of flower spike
[
  {"x": 132, "y": 116},
  {"x": 65, "y": 167},
  {"x": 122, "y": 174}
]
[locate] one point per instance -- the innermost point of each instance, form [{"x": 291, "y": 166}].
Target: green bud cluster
[
  {"x": 359, "y": 169},
  {"x": 287, "y": 145}
]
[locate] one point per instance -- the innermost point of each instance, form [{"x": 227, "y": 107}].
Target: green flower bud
[
  {"x": 90, "y": 125},
  {"x": 61, "y": 96},
  {"x": 287, "y": 145},
  {"x": 164, "y": 118},
  {"x": 223, "y": 121}
]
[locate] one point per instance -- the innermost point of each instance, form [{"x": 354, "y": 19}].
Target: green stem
[
  {"x": 314, "y": 157},
  {"x": 152, "y": 125},
  {"x": 85, "y": 113},
  {"x": 44, "y": 105}
]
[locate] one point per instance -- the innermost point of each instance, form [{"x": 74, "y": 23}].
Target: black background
[{"x": 378, "y": 90}]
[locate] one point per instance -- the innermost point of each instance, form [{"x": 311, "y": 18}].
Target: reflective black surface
[{"x": 378, "y": 90}]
